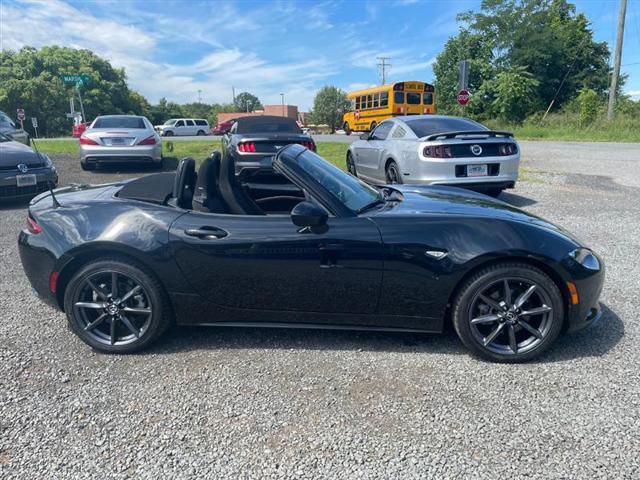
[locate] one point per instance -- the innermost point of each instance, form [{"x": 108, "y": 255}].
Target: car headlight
[{"x": 586, "y": 258}]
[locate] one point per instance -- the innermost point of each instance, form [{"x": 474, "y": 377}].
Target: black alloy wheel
[
  {"x": 393, "y": 174},
  {"x": 116, "y": 307},
  {"x": 509, "y": 313},
  {"x": 351, "y": 166}
]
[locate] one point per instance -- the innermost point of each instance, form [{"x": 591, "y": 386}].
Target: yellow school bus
[{"x": 371, "y": 106}]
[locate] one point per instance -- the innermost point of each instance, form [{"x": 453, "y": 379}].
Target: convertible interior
[{"x": 216, "y": 188}]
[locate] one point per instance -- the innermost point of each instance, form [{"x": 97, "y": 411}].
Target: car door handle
[{"x": 208, "y": 233}]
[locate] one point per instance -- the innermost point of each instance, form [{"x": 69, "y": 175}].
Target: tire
[
  {"x": 373, "y": 125},
  {"x": 485, "y": 326},
  {"x": 168, "y": 133},
  {"x": 346, "y": 128},
  {"x": 159, "y": 164},
  {"x": 148, "y": 296},
  {"x": 392, "y": 174},
  {"x": 200, "y": 133},
  {"x": 351, "y": 166},
  {"x": 86, "y": 166}
]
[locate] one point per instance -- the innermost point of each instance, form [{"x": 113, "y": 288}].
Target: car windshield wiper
[{"x": 375, "y": 203}]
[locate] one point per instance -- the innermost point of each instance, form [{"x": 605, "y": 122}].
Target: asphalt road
[{"x": 238, "y": 403}]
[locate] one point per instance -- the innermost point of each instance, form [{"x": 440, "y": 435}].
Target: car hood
[
  {"x": 442, "y": 200},
  {"x": 14, "y": 153}
]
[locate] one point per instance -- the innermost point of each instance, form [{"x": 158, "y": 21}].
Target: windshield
[
  {"x": 119, "y": 122},
  {"x": 423, "y": 127},
  {"x": 352, "y": 192},
  {"x": 170, "y": 121}
]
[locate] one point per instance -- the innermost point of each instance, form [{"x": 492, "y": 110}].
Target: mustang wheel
[
  {"x": 393, "y": 174},
  {"x": 509, "y": 312},
  {"x": 351, "y": 166},
  {"x": 116, "y": 307}
]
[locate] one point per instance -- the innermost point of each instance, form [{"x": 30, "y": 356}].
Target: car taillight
[
  {"x": 310, "y": 145},
  {"x": 507, "y": 149},
  {"x": 148, "y": 141},
  {"x": 33, "y": 226},
  {"x": 439, "y": 151},
  {"x": 247, "y": 147},
  {"x": 87, "y": 141}
]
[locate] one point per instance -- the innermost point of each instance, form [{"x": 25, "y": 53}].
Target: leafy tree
[
  {"x": 546, "y": 37},
  {"x": 588, "y": 104},
  {"x": 246, "y": 102},
  {"x": 329, "y": 106},
  {"x": 514, "y": 94},
  {"x": 31, "y": 80}
]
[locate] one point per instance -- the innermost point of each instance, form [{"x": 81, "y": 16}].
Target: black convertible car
[{"x": 125, "y": 260}]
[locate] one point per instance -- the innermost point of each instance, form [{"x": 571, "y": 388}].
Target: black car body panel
[{"x": 394, "y": 267}]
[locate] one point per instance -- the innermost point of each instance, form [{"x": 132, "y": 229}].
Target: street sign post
[
  {"x": 463, "y": 77},
  {"x": 21, "y": 117},
  {"x": 463, "y": 97},
  {"x": 34, "y": 122}
]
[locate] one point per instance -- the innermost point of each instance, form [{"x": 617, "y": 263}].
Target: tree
[
  {"x": 31, "y": 80},
  {"x": 514, "y": 94},
  {"x": 329, "y": 106},
  {"x": 246, "y": 102},
  {"x": 546, "y": 37}
]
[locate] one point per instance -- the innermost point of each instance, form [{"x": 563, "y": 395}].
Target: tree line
[{"x": 526, "y": 57}]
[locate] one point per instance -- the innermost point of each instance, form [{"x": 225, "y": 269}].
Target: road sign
[
  {"x": 463, "y": 97},
  {"x": 76, "y": 79},
  {"x": 34, "y": 122},
  {"x": 21, "y": 115},
  {"x": 463, "y": 76}
]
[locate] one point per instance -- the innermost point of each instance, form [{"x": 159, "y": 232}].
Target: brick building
[{"x": 290, "y": 111}]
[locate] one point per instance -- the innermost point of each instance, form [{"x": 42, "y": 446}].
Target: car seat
[{"x": 206, "y": 197}]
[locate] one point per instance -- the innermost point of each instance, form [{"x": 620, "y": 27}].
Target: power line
[{"x": 383, "y": 67}]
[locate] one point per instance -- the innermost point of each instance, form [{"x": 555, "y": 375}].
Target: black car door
[{"x": 267, "y": 263}]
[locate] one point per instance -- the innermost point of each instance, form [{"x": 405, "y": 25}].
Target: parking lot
[{"x": 249, "y": 403}]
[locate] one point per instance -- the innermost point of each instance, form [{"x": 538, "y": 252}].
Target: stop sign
[
  {"x": 463, "y": 97},
  {"x": 20, "y": 112}
]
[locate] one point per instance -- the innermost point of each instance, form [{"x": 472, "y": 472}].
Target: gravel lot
[{"x": 235, "y": 403}]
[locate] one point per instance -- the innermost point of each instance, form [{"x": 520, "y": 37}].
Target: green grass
[{"x": 200, "y": 149}]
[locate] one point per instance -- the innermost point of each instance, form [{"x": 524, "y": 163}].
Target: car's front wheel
[
  {"x": 508, "y": 312},
  {"x": 116, "y": 307},
  {"x": 168, "y": 133},
  {"x": 86, "y": 166}
]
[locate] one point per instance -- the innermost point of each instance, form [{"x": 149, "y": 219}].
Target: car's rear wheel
[
  {"x": 86, "y": 166},
  {"x": 509, "y": 312},
  {"x": 351, "y": 166},
  {"x": 116, "y": 307},
  {"x": 392, "y": 173},
  {"x": 346, "y": 128},
  {"x": 200, "y": 133}
]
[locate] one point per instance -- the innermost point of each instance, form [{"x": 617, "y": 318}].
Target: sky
[{"x": 173, "y": 49}]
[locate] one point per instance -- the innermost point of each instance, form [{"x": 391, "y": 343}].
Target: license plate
[
  {"x": 118, "y": 141},
  {"x": 26, "y": 180},
  {"x": 477, "y": 170}
]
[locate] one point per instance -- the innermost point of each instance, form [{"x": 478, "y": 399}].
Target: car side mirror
[
  {"x": 308, "y": 214},
  {"x": 364, "y": 136}
]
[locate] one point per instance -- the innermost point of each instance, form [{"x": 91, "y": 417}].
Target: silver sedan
[
  {"x": 436, "y": 149},
  {"x": 120, "y": 139}
]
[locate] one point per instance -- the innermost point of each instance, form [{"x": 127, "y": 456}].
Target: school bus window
[
  {"x": 369, "y": 101},
  {"x": 427, "y": 98},
  {"x": 357, "y": 103},
  {"x": 398, "y": 97},
  {"x": 376, "y": 100},
  {"x": 384, "y": 99},
  {"x": 413, "y": 98}
]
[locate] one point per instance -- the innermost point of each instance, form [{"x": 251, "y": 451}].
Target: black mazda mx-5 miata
[{"x": 125, "y": 260}]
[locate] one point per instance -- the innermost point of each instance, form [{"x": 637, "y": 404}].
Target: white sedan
[{"x": 436, "y": 149}]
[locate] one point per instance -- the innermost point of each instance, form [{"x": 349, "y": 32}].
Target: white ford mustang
[{"x": 436, "y": 149}]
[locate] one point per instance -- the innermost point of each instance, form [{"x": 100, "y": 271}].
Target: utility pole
[
  {"x": 233, "y": 93},
  {"x": 199, "y": 96},
  {"x": 613, "y": 87},
  {"x": 383, "y": 67},
  {"x": 282, "y": 95}
]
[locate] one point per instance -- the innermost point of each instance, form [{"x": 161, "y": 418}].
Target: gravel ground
[{"x": 257, "y": 403}]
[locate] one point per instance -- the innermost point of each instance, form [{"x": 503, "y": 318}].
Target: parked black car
[
  {"x": 126, "y": 260},
  {"x": 11, "y": 130},
  {"x": 23, "y": 171}
]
